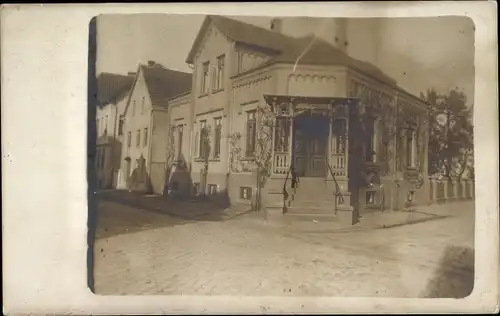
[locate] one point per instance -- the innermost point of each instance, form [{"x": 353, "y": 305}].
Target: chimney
[
  {"x": 131, "y": 74},
  {"x": 151, "y": 63},
  {"x": 276, "y": 25}
]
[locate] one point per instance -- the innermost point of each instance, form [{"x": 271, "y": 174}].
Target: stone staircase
[{"x": 314, "y": 199}]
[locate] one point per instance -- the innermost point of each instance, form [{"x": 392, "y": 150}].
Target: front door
[{"x": 310, "y": 145}]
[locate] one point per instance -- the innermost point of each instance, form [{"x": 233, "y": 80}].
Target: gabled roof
[
  {"x": 164, "y": 83},
  {"x": 286, "y": 49},
  {"x": 112, "y": 87}
]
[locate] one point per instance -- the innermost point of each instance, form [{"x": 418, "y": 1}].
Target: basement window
[
  {"x": 370, "y": 198},
  {"x": 245, "y": 193},
  {"x": 212, "y": 189}
]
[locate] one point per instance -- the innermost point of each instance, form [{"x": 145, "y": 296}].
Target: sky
[{"x": 419, "y": 53}]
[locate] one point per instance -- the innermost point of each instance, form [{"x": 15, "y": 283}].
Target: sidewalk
[
  {"x": 186, "y": 209},
  {"x": 380, "y": 220}
]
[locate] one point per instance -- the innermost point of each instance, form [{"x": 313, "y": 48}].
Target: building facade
[
  {"x": 304, "y": 111},
  {"x": 147, "y": 126},
  {"x": 113, "y": 93}
]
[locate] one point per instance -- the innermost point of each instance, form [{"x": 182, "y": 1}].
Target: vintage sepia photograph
[{"x": 282, "y": 156}]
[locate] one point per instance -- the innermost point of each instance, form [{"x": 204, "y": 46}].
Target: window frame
[
  {"x": 121, "y": 124},
  {"x": 203, "y": 140},
  {"x": 217, "y": 137},
  {"x": 205, "y": 78},
  {"x": 219, "y": 73}
]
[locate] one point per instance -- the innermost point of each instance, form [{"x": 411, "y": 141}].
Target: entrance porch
[{"x": 310, "y": 156}]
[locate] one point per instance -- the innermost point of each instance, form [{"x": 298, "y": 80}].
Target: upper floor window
[
  {"x": 120, "y": 125},
  {"x": 142, "y": 105},
  {"x": 133, "y": 108},
  {"x": 217, "y": 136},
  {"x": 129, "y": 139},
  {"x": 251, "y": 134},
  {"x": 204, "y": 78},
  {"x": 219, "y": 74}
]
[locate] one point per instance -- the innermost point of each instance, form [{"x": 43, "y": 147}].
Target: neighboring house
[
  {"x": 146, "y": 129},
  {"x": 112, "y": 95},
  {"x": 240, "y": 68}
]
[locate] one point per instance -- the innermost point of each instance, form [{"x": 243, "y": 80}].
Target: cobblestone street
[{"x": 244, "y": 256}]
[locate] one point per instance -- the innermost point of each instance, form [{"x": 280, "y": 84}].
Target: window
[
  {"x": 282, "y": 134},
  {"x": 120, "y": 125},
  {"x": 133, "y": 108},
  {"x": 217, "y": 136},
  {"x": 410, "y": 148},
  {"x": 219, "y": 75},
  {"x": 138, "y": 138},
  {"x": 145, "y": 137},
  {"x": 142, "y": 105},
  {"x": 251, "y": 134},
  {"x": 97, "y": 127},
  {"x": 204, "y": 148},
  {"x": 245, "y": 193},
  {"x": 129, "y": 139},
  {"x": 370, "y": 197},
  {"x": 180, "y": 131},
  {"x": 204, "y": 79},
  {"x": 212, "y": 189}
]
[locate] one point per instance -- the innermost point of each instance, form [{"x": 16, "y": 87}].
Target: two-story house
[
  {"x": 340, "y": 129},
  {"x": 112, "y": 95},
  {"x": 147, "y": 124}
]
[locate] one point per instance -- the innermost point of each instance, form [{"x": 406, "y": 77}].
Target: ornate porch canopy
[{"x": 288, "y": 105}]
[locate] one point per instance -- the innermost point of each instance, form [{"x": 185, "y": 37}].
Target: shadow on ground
[
  {"x": 121, "y": 212},
  {"x": 454, "y": 277}
]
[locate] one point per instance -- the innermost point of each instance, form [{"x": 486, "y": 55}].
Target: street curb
[
  {"x": 353, "y": 229},
  {"x": 417, "y": 221}
]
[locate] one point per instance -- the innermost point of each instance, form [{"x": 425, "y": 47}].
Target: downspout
[{"x": 150, "y": 142}]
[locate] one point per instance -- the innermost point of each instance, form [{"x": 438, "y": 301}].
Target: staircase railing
[
  {"x": 339, "y": 197},
  {"x": 285, "y": 192}
]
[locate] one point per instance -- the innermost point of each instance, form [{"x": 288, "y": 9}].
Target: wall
[
  {"x": 180, "y": 116},
  {"x": 213, "y": 104},
  {"x": 158, "y": 143}
]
